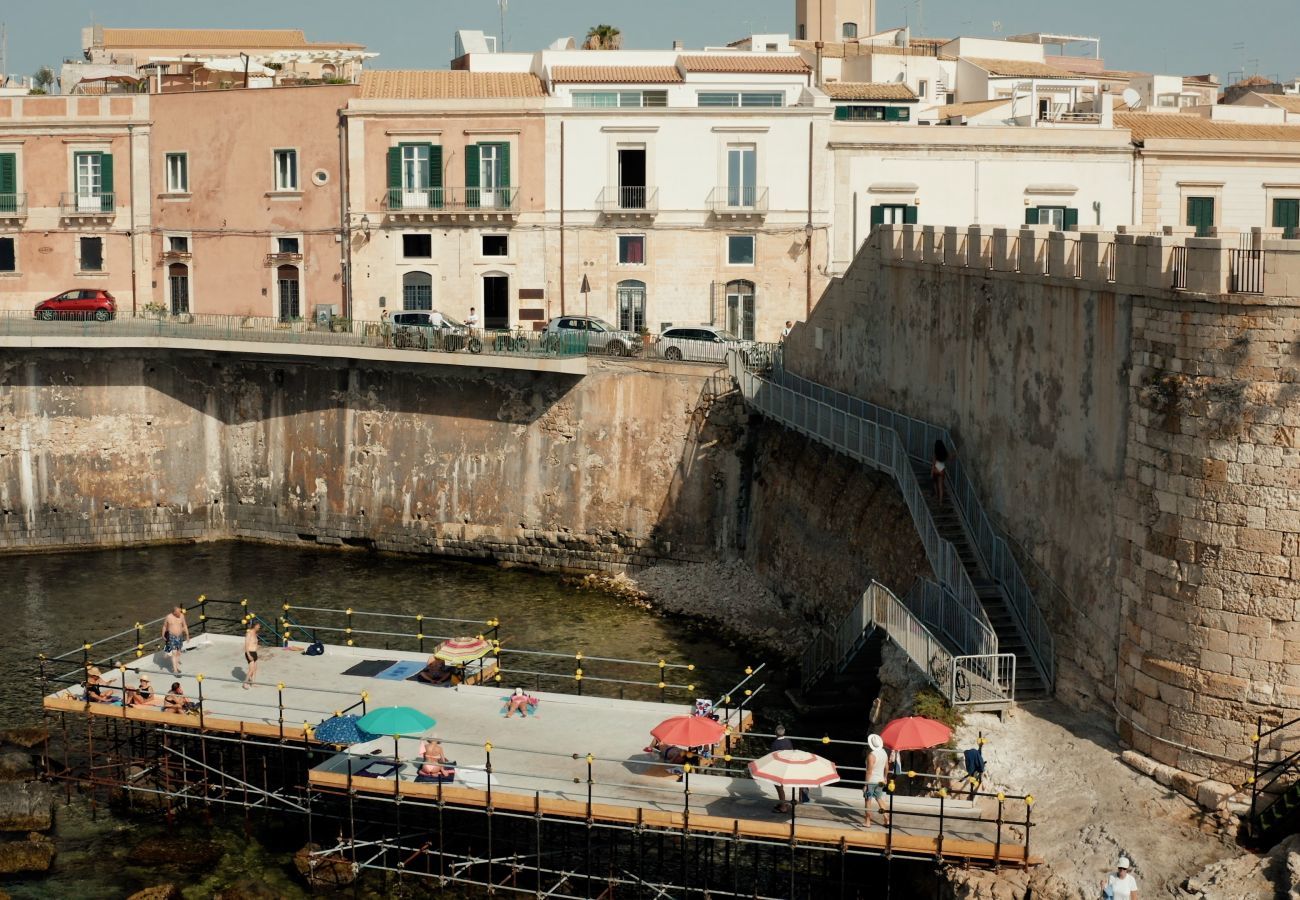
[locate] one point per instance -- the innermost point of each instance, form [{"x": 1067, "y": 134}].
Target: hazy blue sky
[{"x": 1183, "y": 36}]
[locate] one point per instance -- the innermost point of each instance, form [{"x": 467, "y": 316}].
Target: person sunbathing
[
  {"x": 143, "y": 695},
  {"x": 96, "y": 690},
  {"x": 519, "y": 702},
  {"x": 436, "y": 766},
  {"x": 176, "y": 702},
  {"x": 436, "y": 672}
]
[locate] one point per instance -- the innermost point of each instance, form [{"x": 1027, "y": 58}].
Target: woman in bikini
[{"x": 435, "y": 766}]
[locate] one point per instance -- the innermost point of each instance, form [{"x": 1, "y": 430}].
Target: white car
[
  {"x": 702, "y": 343},
  {"x": 592, "y": 333},
  {"x": 430, "y": 329}
]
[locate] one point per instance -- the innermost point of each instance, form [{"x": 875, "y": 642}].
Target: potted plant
[
  {"x": 645, "y": 335},
  {"x": 154, "y": 310}
]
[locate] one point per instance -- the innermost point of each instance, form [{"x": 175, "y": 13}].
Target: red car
[{"x": 82, "y": 303}]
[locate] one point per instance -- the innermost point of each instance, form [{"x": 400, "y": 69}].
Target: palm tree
[{"x": 603, "y": 37}]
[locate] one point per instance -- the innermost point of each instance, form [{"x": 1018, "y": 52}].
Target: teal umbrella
[{"x": 395, "y": 721}]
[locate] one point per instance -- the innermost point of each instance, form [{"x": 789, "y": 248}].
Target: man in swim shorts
[
  {"x": 250, "y": 652},
  {"x": 175, "y": 632}
]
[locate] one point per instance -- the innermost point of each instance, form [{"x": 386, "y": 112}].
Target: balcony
[
  {"x": 629, "y": 202},
  {"x": 88, "y": 206},
  {"x": 283, "y": 259},
  {"x": 442, "y": 204},
  {"x": 736, "y": 202},
  {"x": 13, "y": 207},
  {"x": 177, "y": 256}
]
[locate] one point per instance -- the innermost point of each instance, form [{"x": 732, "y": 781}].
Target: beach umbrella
[
  {"x": 341, "y": 730},
  {"x": 915, "y": 733},
  {"x": 395, "y": 721},
  {"x": 794, "y": 769},
  {"x": 459, "y": 651},
  {"x": 689, "y": 731}
]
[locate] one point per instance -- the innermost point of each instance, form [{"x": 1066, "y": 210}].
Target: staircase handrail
[
  {"x": 918, "y": 438},
  {"x": 964, "y": 620},
  {"x": 1266, "y": 773}
]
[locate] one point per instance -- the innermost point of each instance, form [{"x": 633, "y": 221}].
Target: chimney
[{"x": 679, "y": 45}]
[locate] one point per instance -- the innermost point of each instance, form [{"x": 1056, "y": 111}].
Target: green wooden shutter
[
  {"x": 471, "y": 176},
  {"x": 8, "y": 182},
  {"x": 435, "y": 175},
  {"x": 1031, "y": 215},
  {"x": 506, "y": 181},
  {"x": 877, "y": 216},
  {"x": 909, "y": 215},
  {"x": 842, "y": 113},
  {"x": 895, "y": 114},
  {"x": 1071, "y": 219},
  {"x": 394, "y": 177},
  {"x": 106, "y": 181},
  {"x": 1286, "y": 215},
  {"x": 1200, "y": 214}
]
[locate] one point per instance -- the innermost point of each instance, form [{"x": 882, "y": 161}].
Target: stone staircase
[{"x": 1029, "y": 682}]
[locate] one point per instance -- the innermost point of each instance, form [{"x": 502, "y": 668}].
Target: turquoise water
[{"x": 55, "y": 602}]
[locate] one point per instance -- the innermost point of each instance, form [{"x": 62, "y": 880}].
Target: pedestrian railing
[
  {"x": 839, "y": 415},
  {"x": 964, "y": 621},
  {"x": 1246, "y": 271}
]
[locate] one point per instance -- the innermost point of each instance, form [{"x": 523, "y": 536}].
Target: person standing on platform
[
  {"x": 1120, "y": 884},
  {"x": 250, "y": 651},
  {"x": 175, "y": 632},
  {"x": 781, "y": 742},
  {"x": 877, "y": 775}
]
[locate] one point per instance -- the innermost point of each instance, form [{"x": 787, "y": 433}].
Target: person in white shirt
[
  {"x": 785, "y": 332},
  {"x": 877, "y": 763},
  {"x": 471, "y": 321},
  {"x": 1120, "y": 884}
]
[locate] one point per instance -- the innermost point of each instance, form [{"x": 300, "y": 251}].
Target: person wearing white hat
[
  {"x": 877, "y": 763},
  {"x": 1120, "y": 884}
]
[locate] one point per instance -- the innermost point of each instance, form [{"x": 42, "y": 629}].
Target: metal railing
[
  {"x": 1272, "y": 777},
  {"x": 629, "y": 199},
  {"x": 13, "y": 205},
  {"x": 440, "y": 199},
  {"x": 96, "y": 204},
  {"x": 965, "y": 623},
  {"x": 736, "y": 199},
  {"x": 1178, "y": 263},
  {"x": 1246, "y": 271},
  {"x": 842, "y": 416},
  {"x": 333, "y": 332}
]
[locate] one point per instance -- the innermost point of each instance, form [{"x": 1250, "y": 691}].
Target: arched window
[
  {"x": 178, "y": 285},
  {"x": 289, "y": 293},
  {"x": 740, "y": 309},
  {"x": 327, "y": 71},
  {"x": 417, "y": 290},
  {"x": 631, "y": 305},
  {"x": 850, "y": 31}
]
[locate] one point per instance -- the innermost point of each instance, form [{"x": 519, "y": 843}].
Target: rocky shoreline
[{"x": 26, "y": 804}]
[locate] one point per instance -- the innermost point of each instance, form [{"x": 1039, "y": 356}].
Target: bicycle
[
  {"x": 514, "y": 341},
  {"x": 941, "y": 671}
]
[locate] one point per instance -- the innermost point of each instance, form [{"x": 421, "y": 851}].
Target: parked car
[
  {"x": 703, "y": 343},
  {"x": 80, "y": 303},
  {"x": 600, "y": 335},
  {"x": 430, "y": 329}
]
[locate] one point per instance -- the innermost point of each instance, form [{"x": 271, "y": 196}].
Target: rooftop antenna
[
  {"x": 997, "y": 26},
  {"x": 501, "y": 5}
]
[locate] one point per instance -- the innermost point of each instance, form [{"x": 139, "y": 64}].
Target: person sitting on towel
[
  {"x": 436, "y": 766},
  {"x": 96, "y": 690},
  {"x": 436, "y": 672}
]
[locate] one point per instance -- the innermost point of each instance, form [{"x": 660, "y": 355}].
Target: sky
[{"x": 1175, "y": 36}]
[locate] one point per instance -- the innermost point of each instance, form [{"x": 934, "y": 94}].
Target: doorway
[
  {"x": 288, "y": 293},
  {"x": 631, "y": 178},
  {"x": 178, "y": 279},
  {"x": 496, "y": 302},
  {"x": 740, "y": 309}
]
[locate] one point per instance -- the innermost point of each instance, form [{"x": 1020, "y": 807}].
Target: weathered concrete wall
[
  {"x": 1030, "y": 376},
  {"x": 104, "y": 447}
]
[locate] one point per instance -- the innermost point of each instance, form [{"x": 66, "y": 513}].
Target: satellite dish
[{"x": 1132, "y": 99}]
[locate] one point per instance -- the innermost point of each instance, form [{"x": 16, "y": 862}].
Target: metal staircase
[
  {"x": 982, "y": 598},
  {"x": 1275, "y": 785}
]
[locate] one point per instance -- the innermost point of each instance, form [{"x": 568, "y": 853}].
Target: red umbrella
[
  {"x": 915, "y": 733},
  {"x": 689, "y": 731}
]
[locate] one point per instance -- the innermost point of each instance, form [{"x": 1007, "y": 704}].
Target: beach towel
[
  {"x": 369, "y": 668},
  {"x": 400, "y": 671}
]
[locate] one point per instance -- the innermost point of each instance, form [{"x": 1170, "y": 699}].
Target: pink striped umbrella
[
  {"x": 795, "y": 768},
  {"x": 459, "y": 651}
]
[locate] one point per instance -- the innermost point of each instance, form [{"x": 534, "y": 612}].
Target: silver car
[
  {"x": 592, "y": 332},
  {"x": 429, "y": 330},
  {"x": 702, "y": 343}
]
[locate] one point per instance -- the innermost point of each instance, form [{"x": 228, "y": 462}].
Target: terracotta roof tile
[
  {"x": 1182, "y": 126},
  {"x": 431, "y": 84},
  {"x": 868, "y": 90},
  {"x": 1289, "y": 102},
  {"x": 746, "y": 64},
  {"x": 615, "y": 75},
  {"x": 215, "y": 39},
  {"x": 1018, "y": 68}
]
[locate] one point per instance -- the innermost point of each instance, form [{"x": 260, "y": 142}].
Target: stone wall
[{"x": 1137, "y": 443}]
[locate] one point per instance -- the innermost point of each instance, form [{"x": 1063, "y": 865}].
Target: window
[
  {"x": 417, "y": 246},
  {"x": 740, "y": 309},
  {"x": 91, "y": 258},
  {"x": 496, "y": 245},
  {"x": 849, "y": 31},
  {"x": 742, "y": 173},
  {"x": 922, "y": 88},
  {"x": 289, "y": 293},
  {"x": 748, "y": 98},
  {"x": 1061, "y": 218},
  {"x": 8, "y": 255},
  {"x": 93, "y": 179},
  {"x": 631, "y": 249},
  {"x": 1286, "y": 215},
  {"x": 487, "y": 176},
  {"x": 8, "y": 182},
  {"x": 286, "y": 170},
  {"x": 893, "y": 214},
  {"x": 801, "y": 32},
  {"x": 178, "y": 173},
  {"x": 417, "y": 290},
  {"x": 178, "y": 285},
  {"x": 872, "y": 113},
  {"x": 740, "y": 250},
  {"x": 631, "y": 305},
  {"x": 178, "y": 244},
  {"x": 287, "y": 245},
  {"x": 1200, "y": 214},
  {"x": 415, "y": 176},
  {"x": 617, "y": 99}
]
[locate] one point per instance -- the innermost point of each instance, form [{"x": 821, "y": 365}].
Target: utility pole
[{"x": 501, "y": 5}]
